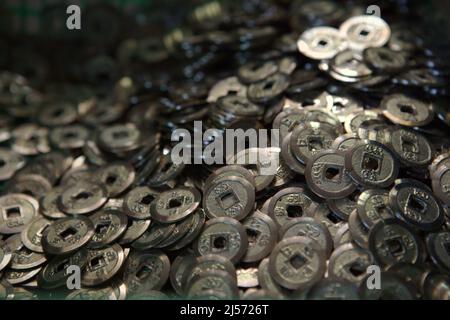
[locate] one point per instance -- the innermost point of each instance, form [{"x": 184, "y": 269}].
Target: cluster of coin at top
[{"x": 132, "y": 225}]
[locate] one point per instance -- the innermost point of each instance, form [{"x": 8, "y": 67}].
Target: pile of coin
[{"x": 89, "y": 187}]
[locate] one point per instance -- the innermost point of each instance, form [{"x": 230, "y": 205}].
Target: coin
[
  {"x": 109, "y": 225},
  {"x": 326, "y": 175},
  {"x": 17, "y": 210},
  {"x": 136, "y": 203},
  {"x": 297, "y": 262},
  {"x": 32, "y": 234},
  {"x": 174, "y": 205},
  {"x": 262, "y": 235},
  {"x": 407, "y": 111},
  {"x": 116, "y": 177},
  {"x": 321, "y": 43},
  {"x": 224, "y": 236},
  {"x": 333, "y": 289},
  {"x": 371, "y": 164},
  {"x": 146, "y": 270},
  {"x": 392, "y": 241},
  {"x": 373, "y": 206},
  {"x": 67, "y": 235},
  {"x": 229, "y": 197},
  {"x": 82, "y": 197},
  {"x": 102, "y": 264},
  {"x": 414, "y": 202}
]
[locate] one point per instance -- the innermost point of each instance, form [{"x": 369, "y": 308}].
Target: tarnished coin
[
  {"x": 20, "y": 276},
  {"x": 326, "y": 175},
  {"x": 72, "y": 136},
  {"x": 266, "y": 90},
  {"x": 180, "y": 269},
  {"x": 309, "y": 228},
  {"x": 262, "y": 233},
  {"x": 67, "y": 235},
  {"x": 392, "y": 287},
  {"x": 181, "y": 229},
  {"x": 411, "y": 148},
  {"x": 365, "y": 31},
  {"x": 344, "y": 206},
  {"x": 55, "y": 273},
  {"x": 358, "y": 231},
  {"x": 267, "y": 282},
  {"x": 230, "y": 170},
  {"x": 223, "y": 236},
  {"x": 288, "y": 204},
  {"x": 209, "y": 262},
  {"x": 230, "y": 196},
  {"x": 32, "y": 234},
  {"x": 333, "y": 289},
  {"x": 115, "y": 177},
  {"x": 109, "y": 225},
  {"x": 342, "y": 236},
  {"x": 146, "y": 270},
  {"x": 34, "y": 185},
  {"x": 371, "y": 164},
  {"x": 391, "y": 241},
  {"x": 156, "y": 233},
  {"x": 373, "y": 206},
  {"x": 16, "y": 211},
  {"x": 349, "y": 262},
  {"x": 413, "y": 202},
  {"x": 174, "y": 205},
  {"x": 443, "y": 158},
  {"x": 290, "y": 160},
  {"x": 48, "y": 204},
  {"x": 135, "y": 229},
  {"x": 10, "y": 162},
  {"x": 5, "y": 256},
  {"x": 440, "y": 183},
  {"x": 136, "y": 203},
  {"x": 82, "y": 197},
  {"x": 297, "y": 262},
  {"x": 321, "y": 43},
  {"x": 407, "y": 111},
  {"x": 216, "y": 280},
  {"x": 102, "y": 265},
  {"x": 309, "y": 138},
  {"x": 262, "y": 163},
  {"x": 384, "y": 59},
  {"x": 438, "y": 245},
  {"x": 356, "y": 119},
  {"x": 196, "y": 225}
]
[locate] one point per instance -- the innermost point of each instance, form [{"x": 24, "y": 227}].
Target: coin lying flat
[
  {"x": 17, "y": 210},
  {"x": 172, "y": 206},
  {"x": 67, "y": 235},
  {"x": 223, "y": 236},
  {"x": 297, "y": 262}
]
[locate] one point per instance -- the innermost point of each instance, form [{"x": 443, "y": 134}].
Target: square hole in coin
[
  {"x": 146, "y": 200},
  {"x": 63, "y": 265},
  {"x": 228, "y": 199},
  {"x": 83, "y": 195},
  {"x": 68, "y": 233},
  {"x": 294, "y": 210},
  {"x": 395, "y": 246},
  {"x": 333, "y": 173},
  {"x": 357, "y": 269},
  {"x": 297, "y": 261},
  {"x": 13, "y": 213},
  {"x": 322, "y": 43},
  {"x": 364, "y": 33},
  {"x": 371, "y": 162},
  {"x": 97, "y": 262},
  {"x": 219, "y": 242},
  {"x": 408, "y": 145},
  {"x": 406, "y": 108},
  {"x": 102, "y": 227},
  {"x": 174, "y": 203},
  {"x": 143, "y": 272},
  {"x": 416, "y": 204},
  {"x": 252, "y": 235},
  {"x": 315, "y": 143}
]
